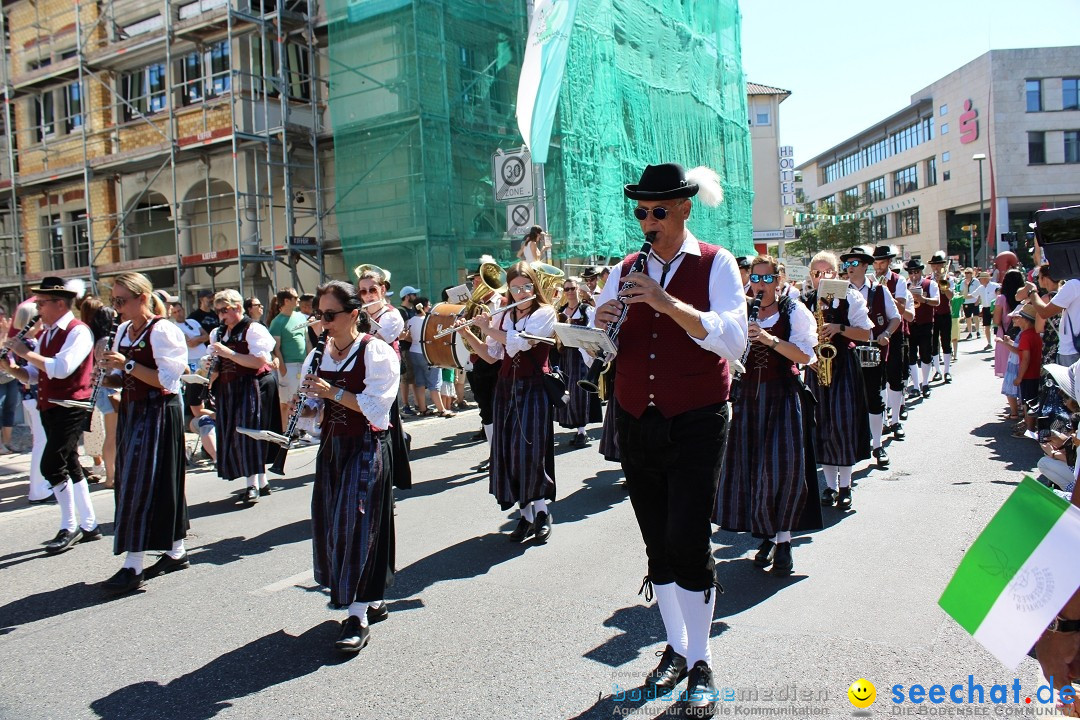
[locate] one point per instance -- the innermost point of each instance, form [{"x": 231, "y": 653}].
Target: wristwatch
[
  {"x": 1063, "y": 625},
  {"x": 339, "y": 394},
  {"x": 775, "y": 342},
  {"x": 129, "y": 366}
]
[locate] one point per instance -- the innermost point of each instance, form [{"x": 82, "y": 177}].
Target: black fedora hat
[
  {"x": 885, "y": 252},
  {"x": 938, "y": 258},
  {"x": 859, "y": 252},
  {"x": 745, "y": 262},
  {"x": 914, "y": 264},
  {"x": 590, "y": 272},
  {"x": 666, "y": 181},
  {"x": 53, "y": 286}
]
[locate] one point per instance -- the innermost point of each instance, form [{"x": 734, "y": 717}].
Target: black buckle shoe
[
  {"x": 903, "y": 412},
  {"x": 251, "y": 495},
  {"x": 166, "y": 564},
  {"x": 898, "y": 431},
  {"x": 925, "y": 391},
  {"x": 935, "y": 377},
  {"x": 125, "y": 580},
  {"x": 843, "y": 500},
  {"x": 63, "y": 541},
  {"x": 701, "y": 694},
  {"x": 521, "y": 531},
  {"x": 91, "y": 535},
  {"x": 782, "y": 563},
  {"x": 764, "y": 553},
  {"x": 948, "y": 378},
  {"x": 665, "y": 676},
  {"x": 378, "y": 613},
  {"x": 882, "y": 457},
  {"x": 480, "y": 436},
  {"x": 541, "y": 527},
  {"x": 264, "y": 491},
  {"x": 828, "y": 498},
  {"x": 580, "y": 441},
  {"x": 353, "y": 636}
]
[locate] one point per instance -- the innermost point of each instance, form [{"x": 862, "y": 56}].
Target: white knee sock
[
  {"x": 896, "y": 401},
  {"x": 252, "y": 480},
  {"x": 913, "y": 371},
  {"x": 80, "y": 491},
  {"x": 830, "y": 475},
  {"x": 845, "y": 476},
  {"x": 783, "y": 536},
  {"x": 925, "y": 369},
  {"x": 539, "y": 506},
  {"x": 948, "y": 363},
  {"x": 527, "y": 512},
  {"x": 487, "y": 431},
  {"x": 581, "y": 430},
  {"x": 877, "y": 421},
  {"x": 697, "y": 615},
  {"x": 359, "y": 610},
  {"x": 261, "y": 479},
  {"x": 668, "y": 602},
  {"x": 936, "y": 363},
  {"x": 66, "y": 502},
  {"x": 177, "y": 551},
  {"x": 134, "y": 560}
]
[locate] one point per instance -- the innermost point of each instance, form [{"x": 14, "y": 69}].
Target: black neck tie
[{"x": 667, "y": 267}]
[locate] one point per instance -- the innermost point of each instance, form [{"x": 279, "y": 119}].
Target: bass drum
[{"x": 448, "y": 351}]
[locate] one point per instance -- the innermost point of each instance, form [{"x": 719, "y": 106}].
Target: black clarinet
[
  {"x": 100, "y": 375},
  {"x": 751, "y": 318},
  {"x": 278, "y": 468},
  {"x": 21, "y": 335},
  {"x": 591, "y": 381}
]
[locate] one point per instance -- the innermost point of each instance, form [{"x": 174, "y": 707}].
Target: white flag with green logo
[
  {"x": 542, "y": 71},
  {"x": 1019, "y": 573}
]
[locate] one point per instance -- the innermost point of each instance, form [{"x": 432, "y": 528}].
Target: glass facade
[
  {"x": 904, "y": 139},
  {"x": 906, "y": 180},
  {"x": 875, "y": 190}
]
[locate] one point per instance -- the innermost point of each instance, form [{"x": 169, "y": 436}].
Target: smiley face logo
[{"x": 862, "y": 693}]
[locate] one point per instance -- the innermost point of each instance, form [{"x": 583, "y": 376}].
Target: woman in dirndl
[
  {"x": 582, "y": 407},
  {"x": 148, "y": 356},
  {"x": 352, "y": 519},
  {"x": 843, "y": 425},
  {"x": 768, "y": 481},
  {"x": 241, "y": 350},
  {"x": 522, "y": 471}
]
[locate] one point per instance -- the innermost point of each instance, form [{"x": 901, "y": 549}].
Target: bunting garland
[{"x": 835, "y": 218}]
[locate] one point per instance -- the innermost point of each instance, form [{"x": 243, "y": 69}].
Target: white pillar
[{"x": 1001, "y": 220}]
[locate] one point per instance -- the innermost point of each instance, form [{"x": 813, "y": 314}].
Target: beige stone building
[
  {"x": 914, "y": 176},
  {"x": 774, "y": 175}
]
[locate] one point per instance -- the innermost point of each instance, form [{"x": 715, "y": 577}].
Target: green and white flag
[
  {"x": 542, "y": 71},
  {"x": 1018, "y": 574}
]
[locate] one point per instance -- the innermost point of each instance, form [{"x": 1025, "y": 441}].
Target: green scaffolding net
[{"x": 422, "y": 93}]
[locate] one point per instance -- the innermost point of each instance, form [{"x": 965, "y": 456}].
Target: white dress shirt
[
  {"x": 259, "y": 340},
  {"x": 382, "y": 373},
  {"x": 390, "y": 324},
  {"x": 891, "y": 311},
  {"x": 78, "y": 344},
  {"x": 540, "y": 323},
  {"x": 725, "y": 321},
  {"x": 986, "y": 294},
  {"x": 857, "y": 316},
  {"x": 932, "y": 293},
  {"x": 170, "y": 350}
]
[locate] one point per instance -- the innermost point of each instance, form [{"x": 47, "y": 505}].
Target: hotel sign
[{"x": 787, "y": 175}]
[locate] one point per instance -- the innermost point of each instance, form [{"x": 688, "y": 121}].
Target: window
[
  {"x": 54, "y": 241},
  {"x": 1070, "y": 93},
  {"x": 931, "y": 172},
  {"x": 761, "y": 118},
  {"x": 73, "y": 107},
  {"x": 879, "y": 228},
  {"x": 1072, "y": 146},
  {"x": 907, "y": 222},
  {"x": 1034, "y": 95},
  {"x": 297, "y": 75},
  {"x": 904, "y": 139},
  {"x": 944, "y": 110},
  {"x": 906, "y": 180},
  {"x": 1036, "y": 148},
  {"x": 143, "y": 91},
  {"x": 945, "y": 176},
  {"x": 850, "y": 198},
  {"x": 206, "y": 75},
  {"x": 82, "y": 238},
  {"x": 44, "y": 115},
  {"x": 875, "y": 190},
  {"x": 945, "y": 156},
  {"x": 944, "y": 128}
]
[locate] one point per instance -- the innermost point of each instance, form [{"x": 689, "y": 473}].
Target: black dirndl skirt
[
  {"x": 239, "y": 404},
  {"x": 151, "y": 512},
  {"x": 352, "y": 518},
  {"x": 523, "y": 443},
  {"x": 609, "y": 436},
  {"x": 582, "y": 407},
  {"x": 270, "y": 413},
  {"x": 843, "y": 426}
]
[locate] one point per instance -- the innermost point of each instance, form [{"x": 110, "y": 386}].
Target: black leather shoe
[
  {"x": 882, "y": 457},
  {"x": 782, "y": 562},
  {"x": 843, "y": 500},
  {"x": 251, "y": 495},
  {"x": 377, "y": 614},
  {"x": 701, "y": 694},
  {"x": 48, "y": 500},
  {"x": 541, "y": 527},
  {"x": 925, "y": 391},
  {"x": 898, "y": 431},
  {"x": 166, "y": 564},
  {"x": 948, "y": 378},
  {"x": 828, "y": 498},
  {"x": 353, "y": 637},
  {"x": 903, "y": 412},
  {"x": 264, "y": 491},
  {"x": 125, "y": 580},
  {"x": 521, "y": 531},
  {"x": 935, "y": 377},
  {"x": 63, "y": 541},
  {"x": 480, "y": 436},
  {"x": 580, "y": 441},
  {"x": 764, "y": 553},
  {"x": 91, "y": 535},
  {"x": 665, "y": 676}
]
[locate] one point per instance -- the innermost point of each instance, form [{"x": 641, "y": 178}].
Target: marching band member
[
  {"x": 148, "y": 356},
  {"x": 484, "y": 375},
  {"x": 942, "y": 336},
  {"x": 582, "y": 407},
  {"x": 924, "y": 292},
  {"x": 686, "y": 319},
  {"x": 768, "y": 483},
  {"x": 64, "y": 369},
  {"x": 38, "y": 491},
  {"x": 896, "y": 359},
  {"x": 843, "y": 428},
  {"x": 243, "y": 349},
  {"x": 352, "y": 520},
  {"x": 522, "y": 468},
  {"x": 886, "y": 319}
]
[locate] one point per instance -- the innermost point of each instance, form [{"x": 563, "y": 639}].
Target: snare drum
[
  {"x": 446, "y": 352},
  {"x": 869, "y": 355}
]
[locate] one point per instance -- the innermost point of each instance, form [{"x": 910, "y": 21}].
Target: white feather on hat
[
  {"x": 709, "y": 189},
  {"x": 77, "y": 286}
]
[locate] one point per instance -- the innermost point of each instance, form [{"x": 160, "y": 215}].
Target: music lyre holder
[
  {"x": 78, "y": 404},
  {"x": 266, "y": 436}
]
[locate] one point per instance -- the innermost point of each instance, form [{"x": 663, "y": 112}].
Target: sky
[{"x": 850, "y": 64}]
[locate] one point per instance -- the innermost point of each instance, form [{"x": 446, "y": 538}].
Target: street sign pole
[{"x": 541, "y": 201}]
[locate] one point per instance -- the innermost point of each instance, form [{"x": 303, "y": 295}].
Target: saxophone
[{"x": 826, "y": 351}]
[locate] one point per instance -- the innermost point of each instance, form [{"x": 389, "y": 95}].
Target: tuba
[
  {"x": 492, "y": 281},
  {"x": 548, "y": 276}
]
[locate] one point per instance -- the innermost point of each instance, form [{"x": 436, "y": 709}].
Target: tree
[{"x": 842, "y": 230}]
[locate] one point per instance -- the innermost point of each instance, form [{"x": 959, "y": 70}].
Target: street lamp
[
  {"x": 971, "y": 243},
  {"x": 979, "y": 157}
]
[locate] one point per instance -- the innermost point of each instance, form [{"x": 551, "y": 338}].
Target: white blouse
[
  {"x": 260, "y": 341},
  {"x": 858, "y": 314},
  {"x": 540, "y": 323},
  {"x": 169, "y": 346},
  {"x": 803, "y": 329},
  {"x": 382, "y": 373},
  {"x": 390, "y": 324}
]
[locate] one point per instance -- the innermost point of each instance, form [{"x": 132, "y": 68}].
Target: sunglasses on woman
[
  {"x": 329, "y": 315},
  {"x": 521, "y": 289},
  {"x": 767, "y": 279}
]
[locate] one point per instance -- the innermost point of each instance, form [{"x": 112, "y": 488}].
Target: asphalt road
[{"x": 481, "y": 628}]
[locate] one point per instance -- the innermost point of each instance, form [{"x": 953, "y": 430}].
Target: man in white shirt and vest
[{"x": 685, "y": 320}]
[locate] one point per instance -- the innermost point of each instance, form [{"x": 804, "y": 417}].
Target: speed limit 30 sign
[{"x": 513, "y": 175}]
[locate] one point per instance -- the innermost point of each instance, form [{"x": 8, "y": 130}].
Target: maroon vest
[
  {"x": 765, "y": 364},
  {"x": 944, "y": 307},
  {"x": 75, "y": 386},
  {"x": 660, "y": 363},
  {"x": 142, "y": 352},
  {"x": 924, "y": 314},
  {"x": 237, "y": 342},
  {"x": 339, "y": 420}
]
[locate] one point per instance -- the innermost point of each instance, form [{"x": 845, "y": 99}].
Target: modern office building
[{"x": 914, "y": 177}]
